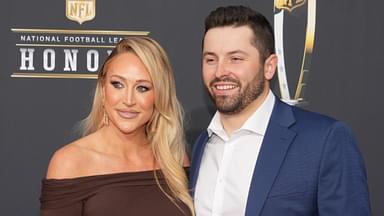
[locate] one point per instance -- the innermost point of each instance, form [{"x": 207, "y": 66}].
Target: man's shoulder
[
  {"x": 305, "y": 114},
  {"x": 309, "y": 120}
]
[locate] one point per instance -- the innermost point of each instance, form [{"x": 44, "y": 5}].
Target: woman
[{"x": 131, "y": 159}]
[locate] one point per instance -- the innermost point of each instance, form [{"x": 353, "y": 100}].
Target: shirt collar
[{"x": 256, "y": 123}]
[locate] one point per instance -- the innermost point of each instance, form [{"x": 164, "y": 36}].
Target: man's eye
[
  {"x": 236, "y": 59},
  {"x": 117, "y": 84},
  {"x": 209, "y": 60}
]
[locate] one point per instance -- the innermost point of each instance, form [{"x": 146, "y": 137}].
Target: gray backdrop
[{"x": 37, "y": 116}]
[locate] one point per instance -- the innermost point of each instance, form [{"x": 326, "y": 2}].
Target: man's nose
[{"x": 221, "y": 69}]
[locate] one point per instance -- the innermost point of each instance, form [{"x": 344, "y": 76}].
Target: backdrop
[{"x": 51, "y": 50}]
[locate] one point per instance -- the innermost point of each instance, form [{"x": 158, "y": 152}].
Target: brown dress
[{"x": 119, "y": 194}]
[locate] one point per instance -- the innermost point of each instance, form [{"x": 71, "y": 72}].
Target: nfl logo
[{"x": 80, "y": 10}]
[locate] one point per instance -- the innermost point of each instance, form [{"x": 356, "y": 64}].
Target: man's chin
[{"x": 226, "y": 108}]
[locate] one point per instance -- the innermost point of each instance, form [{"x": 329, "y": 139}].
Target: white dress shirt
[{"x": 228, "y": 162}]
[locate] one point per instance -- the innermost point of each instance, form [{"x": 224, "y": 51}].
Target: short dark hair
[{"x": 238, "y": 16}]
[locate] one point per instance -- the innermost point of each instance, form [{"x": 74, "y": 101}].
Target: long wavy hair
[{"x": 164, "y": 130}]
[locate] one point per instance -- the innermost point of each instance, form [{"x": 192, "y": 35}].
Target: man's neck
[{"x": 232, "y": 122}]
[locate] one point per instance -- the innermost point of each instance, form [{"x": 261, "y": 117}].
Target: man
[{"x": 260, "y": 156}]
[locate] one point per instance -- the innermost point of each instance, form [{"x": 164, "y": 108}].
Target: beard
[{"x": 235, "y": 103}]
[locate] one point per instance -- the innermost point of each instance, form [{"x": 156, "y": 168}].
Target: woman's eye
[
  {"x": 117, "y": 84},
  {"x": 142, "y": 88}
]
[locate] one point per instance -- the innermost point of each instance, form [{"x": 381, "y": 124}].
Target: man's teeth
[{"x": 225, "y": 87}]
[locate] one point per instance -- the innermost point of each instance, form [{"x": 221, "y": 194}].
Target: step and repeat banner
[{"x": 330, "y": 52}]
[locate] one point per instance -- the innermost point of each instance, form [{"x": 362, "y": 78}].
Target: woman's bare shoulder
[{"x": 70, "y": 160}]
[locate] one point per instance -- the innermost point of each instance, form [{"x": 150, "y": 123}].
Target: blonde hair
[{"x": 165, "y": 128}]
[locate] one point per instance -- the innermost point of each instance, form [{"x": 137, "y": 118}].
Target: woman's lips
[{"x": 128, "y": 114}]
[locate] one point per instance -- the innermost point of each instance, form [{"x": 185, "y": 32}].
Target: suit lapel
[
  {"x": 197, "y": 155},
  {"x": 276, "y": 141}
]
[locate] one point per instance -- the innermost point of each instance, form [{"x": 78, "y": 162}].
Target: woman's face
[{"x": 129, "y": 94}]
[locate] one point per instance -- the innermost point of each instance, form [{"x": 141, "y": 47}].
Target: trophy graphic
[{"x": 282, "y": 8}]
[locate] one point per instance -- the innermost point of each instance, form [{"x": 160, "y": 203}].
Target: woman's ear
[
  {"x": 102, "y": 93},
  {"x": 101, "y": 86}
]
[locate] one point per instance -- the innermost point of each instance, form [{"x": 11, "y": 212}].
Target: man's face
[{"x": 232, "y": 70}]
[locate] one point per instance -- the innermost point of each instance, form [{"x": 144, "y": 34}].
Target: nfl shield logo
[
  {"x": 288, "y": 4},
  {"x": 80, "y": 10}
]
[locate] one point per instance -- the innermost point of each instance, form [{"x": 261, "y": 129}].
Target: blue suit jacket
[{"x": 308, "y": 164}]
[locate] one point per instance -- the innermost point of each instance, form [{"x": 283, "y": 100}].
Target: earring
[{"x": 106, "y": 119}]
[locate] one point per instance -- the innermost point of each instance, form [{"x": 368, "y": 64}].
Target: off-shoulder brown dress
[{"x": 119, "y": 194}]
